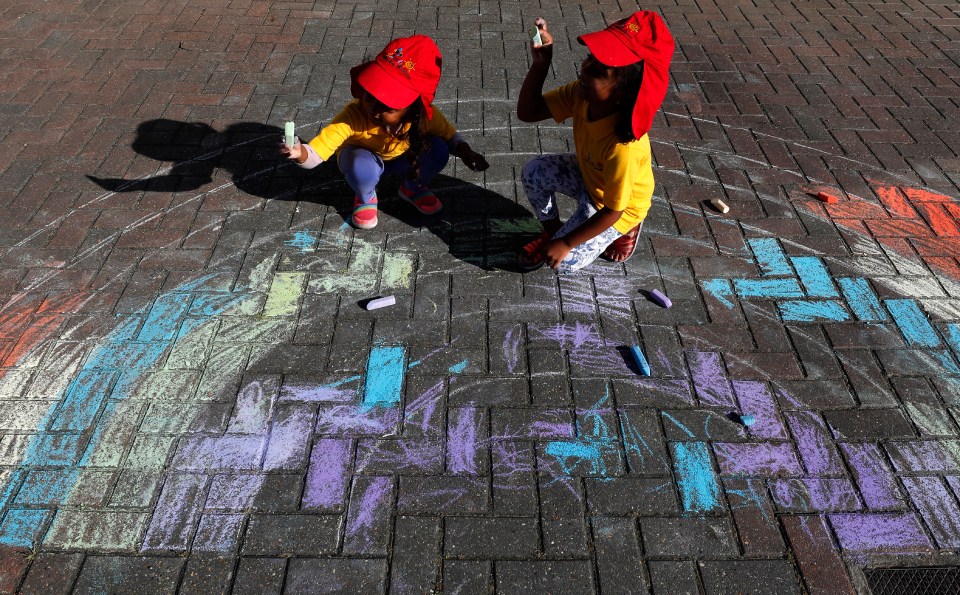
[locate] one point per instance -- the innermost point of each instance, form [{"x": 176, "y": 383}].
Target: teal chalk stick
[{"x": 641, "y": 361}]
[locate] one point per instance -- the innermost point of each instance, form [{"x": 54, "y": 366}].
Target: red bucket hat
[
  {"x": 643, "y": 36},
  {"x": 407, "y": 69}
]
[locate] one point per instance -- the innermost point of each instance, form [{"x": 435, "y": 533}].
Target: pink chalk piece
[
  {"x": 660, "y": 298},
  {"x": 828, "y": 198}
]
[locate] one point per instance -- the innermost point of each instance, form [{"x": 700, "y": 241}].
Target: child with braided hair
[{"x": 391, "y": 127}]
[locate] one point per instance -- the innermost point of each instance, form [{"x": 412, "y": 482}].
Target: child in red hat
[
  {"x": 391, "y": 127},
  {"x": 622, "y": 83}
]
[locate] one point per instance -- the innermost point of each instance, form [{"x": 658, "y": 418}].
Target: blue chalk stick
[
  {"x": 747, "y": 420},
  {"x": 641, "y": 361},
  {"x": 660, "y": 298}
]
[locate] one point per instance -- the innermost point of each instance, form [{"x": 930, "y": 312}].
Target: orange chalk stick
[{"x": 828, "y": 198}]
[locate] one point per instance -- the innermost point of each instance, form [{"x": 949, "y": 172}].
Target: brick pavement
[{"x": 192, "y": 398}]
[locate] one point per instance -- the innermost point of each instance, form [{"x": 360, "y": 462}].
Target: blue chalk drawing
[
  {"x": 458, "y": 367},
  {"x": 915, "y": 327},
  {"x": 769, "y": 257},
  {"x": 83, "y": 405},
  {"x": 303, "y": 240},
  {"x": 813, "y": 311},
  {"x": 698, "y": 482},
  {"x": 385, "y": 368},
  {"x": 862, "y": 299},
  {"x": 814, "y": 276}
]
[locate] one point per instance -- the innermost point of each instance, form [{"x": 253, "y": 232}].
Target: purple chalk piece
[
  {"x": 660, "y": 298},
  {"x": 381, "y": 302}
]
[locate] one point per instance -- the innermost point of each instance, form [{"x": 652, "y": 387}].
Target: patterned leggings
[{"x": 542, "y": 178}]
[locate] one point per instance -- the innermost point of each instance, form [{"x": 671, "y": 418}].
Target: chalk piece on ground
[
  {"x": 660, "y": 298},
  {"x": 719, "y": 205},
  {"x": 289, "y": 132},
  {"x": 640, "y": 360},
  {"x": 381, "y": 302},
  {"x": 828, "y": 198},
  {"x": 747, "y": 420}
]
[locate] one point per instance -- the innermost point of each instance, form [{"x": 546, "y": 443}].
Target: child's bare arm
[
  {"x": 475, "y": 161},
  {"x": 531, "y": 106}
]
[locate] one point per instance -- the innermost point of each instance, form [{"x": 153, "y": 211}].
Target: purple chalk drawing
[
  {"x": 875, "y": 478},
  {"x": 571, "y": 337},
  {"x": 176, "y": 513},
  {"x": 757, "y": 399},
  {"x": 358, "y": 420},
  {"x": 814, "y": 443},
  {"x": 223, "y": 453},
  {"x": 369, "y": 513},
  {"x": 876, "y": 533},
  {"x": 327, "y": 393},
  {"x": 254, "y": 407},
  {"x": 710, "y": 379},
  {"x": 234, "y": 492},
  {"x": 937, "y": 507},
  {"x": 289, "y": 438},
  {"x": 406, "y": 455},
  {"x": 764, "y": 459},
  {"x": 422, "y": 410},
  {"x": 327, "y": 473},
  {"x": 815, "y": 494},
  {"x": 511, "y": 348},
  {"x": 463, "y": 441},
  {"x": 218, "y": 532}
]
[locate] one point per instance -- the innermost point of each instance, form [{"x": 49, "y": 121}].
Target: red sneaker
[
  {"x": 364, "y": 214},
  {"x": 422, "y": 199}
]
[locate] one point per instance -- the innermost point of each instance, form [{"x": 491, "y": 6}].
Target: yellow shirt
[
  {"x": 617, "y": 175},
  {"x": 352, "y": 126}
]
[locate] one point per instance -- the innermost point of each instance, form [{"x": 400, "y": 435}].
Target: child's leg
[
  {"x": 546, "y": 175},
  {"x": 362, "y": 170},
  {"x": 432, "y": 161},
  {"x": 585, "y": 253}
]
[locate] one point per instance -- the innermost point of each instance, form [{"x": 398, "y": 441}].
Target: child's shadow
[
  {"x": 249, "y": 151},
  {"x": 479, "y": 226}
]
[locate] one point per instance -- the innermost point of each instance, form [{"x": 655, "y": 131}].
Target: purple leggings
[{"x": 362, "y": 167}]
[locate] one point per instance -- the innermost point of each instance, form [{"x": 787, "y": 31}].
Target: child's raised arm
[{"x": 530, "y": 104}]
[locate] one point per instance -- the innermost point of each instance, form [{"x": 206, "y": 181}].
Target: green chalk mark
[{"x": 285, "y": 292}]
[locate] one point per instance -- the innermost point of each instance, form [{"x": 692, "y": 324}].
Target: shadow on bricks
[{"x": 249, "y": 151}]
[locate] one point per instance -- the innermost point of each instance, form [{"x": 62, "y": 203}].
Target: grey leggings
[{"x": 546, "y": 175}]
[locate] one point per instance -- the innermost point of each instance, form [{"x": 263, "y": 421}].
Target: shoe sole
[{"x": 417, "y": 207}]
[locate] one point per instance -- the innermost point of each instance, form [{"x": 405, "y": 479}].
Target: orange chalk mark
[{"x": 893, "y": 199}]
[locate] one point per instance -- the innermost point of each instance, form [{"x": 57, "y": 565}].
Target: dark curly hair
[{"x": 628, "y": 86}]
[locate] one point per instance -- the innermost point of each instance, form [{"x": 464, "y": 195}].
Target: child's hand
[
  {"x": 556, "y": 251},
  {"x": 475, "y": 161},
  {"x": 293, "y": 152},
  {"x": 544, "y": 52}
]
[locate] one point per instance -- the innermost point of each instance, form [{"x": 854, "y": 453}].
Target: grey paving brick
[
  {"x": 548, "y": 576},
  {"x": 128, "y": 574},
  {"x": 489, "y": 538},
  {"x": 306, "y": 575},
  {"x": 290, "y": 534},
  {"x": 750, "y": 576}
]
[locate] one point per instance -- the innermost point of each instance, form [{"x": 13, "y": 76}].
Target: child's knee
[{"x": 530, "y": 169}]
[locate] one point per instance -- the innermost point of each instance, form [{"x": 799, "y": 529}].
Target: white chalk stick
[
  {"x": 720, "y": 205},
  {"x": 660, "y": 298},
  {"x": 381, "y": 302},
  {"x": 289, "y": 130},
  {"x": 535, "y": 36}
]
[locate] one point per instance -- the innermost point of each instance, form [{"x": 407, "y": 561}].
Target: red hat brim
[
  {"x": 608, "y": 48},
  {"x": 383, "y": 83}
]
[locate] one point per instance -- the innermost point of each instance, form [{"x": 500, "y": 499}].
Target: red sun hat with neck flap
[
  {"x": 641, "y": 37},
  {"x": 406, "y": 70}
]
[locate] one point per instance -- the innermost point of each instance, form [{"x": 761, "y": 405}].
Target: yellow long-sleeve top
[
  {"x": 352, "y": 126},
  {"x": 617, "y": 175}
]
